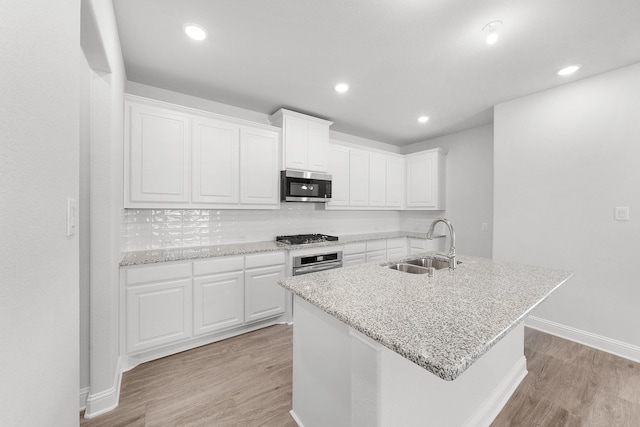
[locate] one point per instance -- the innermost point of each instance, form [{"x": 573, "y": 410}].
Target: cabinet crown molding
[
  {"x": 136, "y": 99},
  {"x": 277, "y": 117}
]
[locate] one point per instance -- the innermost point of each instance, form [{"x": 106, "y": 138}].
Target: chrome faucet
[{"x": 452, "y": 234}]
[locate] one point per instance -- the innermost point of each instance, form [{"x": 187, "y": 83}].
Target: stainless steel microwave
[{"x": 297, "y": 186}]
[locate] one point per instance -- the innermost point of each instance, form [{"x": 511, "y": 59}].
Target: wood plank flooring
[{"x": 246, "y": 381}]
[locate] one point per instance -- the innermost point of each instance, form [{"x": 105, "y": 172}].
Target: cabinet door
[
  {"x": 318, "y": 147},
  {"x": 263, "y": 296},
  {"x": 377, "y": 256},
  {"x": 353, "y": 259},
  {"x": 215, "y": 162},
  {"x": 157, "y": 157},
  {"x": 377, "y": 179},
  {"x": 295, "y": 143},
  {"x": 218, "y": 302},
  {"x": 258, "y": 167},
  {"x": 158, "y": 314},
  {"x": 421, "y": 181},
  {"x": 359, "y": 178},
  {"x": 426, "y": 245},
  {"x": 339, "y": 170},
  {"x": 395, "y": 182}
]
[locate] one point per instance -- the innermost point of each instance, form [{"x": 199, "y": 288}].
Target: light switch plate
[
  {"x": 621, "y": 213},
  {"x": 72, "y": 217}
]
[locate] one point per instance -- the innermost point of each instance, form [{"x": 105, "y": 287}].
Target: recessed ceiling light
[
  {"x": 195, "y": 32},
  {"x": 342, "y": 87},
  {"x": 423, "y": 119},
  {"x": 568, "y": 70},
  {"x": 491, "y": 31}
]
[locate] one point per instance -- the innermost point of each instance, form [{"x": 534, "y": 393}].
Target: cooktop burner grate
[{"x": 303, "y": 239}]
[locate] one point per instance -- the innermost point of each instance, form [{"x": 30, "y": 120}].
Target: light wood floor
[{"x": 246, "y": 381}]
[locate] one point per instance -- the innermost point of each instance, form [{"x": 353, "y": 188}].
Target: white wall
[
  {"x": 39, "y": 128},
  {"x": 469, "y": 196},
  {"x": 564, "y": 158},
  {"x": 107, "y": 80}
]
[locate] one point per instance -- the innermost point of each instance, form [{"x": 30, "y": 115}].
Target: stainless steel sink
[
  {"x": 438, "y": 264},
  {"x": 409, "y": 268},
  {"x": 421, "y": 265}
]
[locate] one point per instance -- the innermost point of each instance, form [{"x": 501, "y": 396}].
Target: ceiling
[{"x": 401, "y": 58}]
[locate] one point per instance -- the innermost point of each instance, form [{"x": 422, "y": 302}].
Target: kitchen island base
[{"x": 343, "y": 378}]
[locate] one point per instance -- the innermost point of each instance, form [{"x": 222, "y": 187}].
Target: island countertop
[{"x": 443, "y": 323}]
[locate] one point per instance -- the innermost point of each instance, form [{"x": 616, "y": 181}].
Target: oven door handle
[{"x": 314, "y": 268}]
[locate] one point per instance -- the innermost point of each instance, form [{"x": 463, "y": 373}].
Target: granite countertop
[
  {"x": 185, "y": 254},
  {"x": 444, "y": 323}
]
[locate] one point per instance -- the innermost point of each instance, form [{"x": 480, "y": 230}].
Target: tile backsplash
[{"x": 144, "y": 229}]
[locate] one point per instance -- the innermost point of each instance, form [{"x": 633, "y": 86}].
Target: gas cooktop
[{"x": 303, "y": 239}]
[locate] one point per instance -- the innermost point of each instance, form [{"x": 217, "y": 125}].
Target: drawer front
[
  {"x": 264, "y": 259},
  {"x": 156, "y": 273},
  {"x": 353, "y": 259},
  {"x": 376, "y": 256},
  {"x": 355, "y": 248},
  {"x": 398, "y": 243},
  {"x": 218, "y": 265},
  {"x": 376, "y": 245}
]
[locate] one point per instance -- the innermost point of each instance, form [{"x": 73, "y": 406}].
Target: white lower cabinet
[
  {"x": 264, "y": 297},
  {"x": 397, "y": 247},
  {"x": 158, "y": 314},
  {"x": 425, "y": 245},
  {"x": 175, "y": 306},
  {"x": 376, "y": 250},
  {"x": 218, "y": 295}
]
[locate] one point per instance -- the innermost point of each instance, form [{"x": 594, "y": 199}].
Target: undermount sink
[
  {"x": 425, "y": 262},
  {"x": 408, "y": 268},
  {"x": 420, "y": 265}
]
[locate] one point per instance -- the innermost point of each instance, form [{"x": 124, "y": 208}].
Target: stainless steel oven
[{"x": 306, "y": 264}]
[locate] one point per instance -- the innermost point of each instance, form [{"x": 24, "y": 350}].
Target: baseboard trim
[
  {"x": 106, "y": 400},
  {"x": 491, "y": 407},
  {"x": 599, "y": 342},
  {"x": 84, "y": 393},
  {"x": 295, "y": 418}
]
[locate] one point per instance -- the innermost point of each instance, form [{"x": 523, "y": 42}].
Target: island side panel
[
  {"x": 343, "y": 378},
  {"x": 321, "y": 368}
]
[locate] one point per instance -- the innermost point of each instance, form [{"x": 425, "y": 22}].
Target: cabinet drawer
[
  {"x": 157, "y": 273},
  {"x": 353, "y": 259},
  {"x": 219, "y": 265},
  {"x": 376, "y": 256},
  {"x": 354, "y": 248},
  {"x": 397, "y": 243},
  {"x": 265, "y": 259},
  {"x": 376, "y": 245}
]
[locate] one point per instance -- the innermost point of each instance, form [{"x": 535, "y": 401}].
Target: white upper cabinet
[
  {"x": 425, "y": 180},
  {"x": 258, "y": 161},
  {"x": 365, "y": 179},
  {"x": 339, "y": 170},
  {"x": 377, "y": 179},
  {"x": 359, "y": 178},
  {"x": 305, "y": 140},
  {"x": 157, "y": 161},
  {"x": 182, "y": 158},
  {"x": 215, "y": 161}
]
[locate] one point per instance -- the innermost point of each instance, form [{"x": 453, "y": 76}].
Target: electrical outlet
[
  {"x": 484, "y": 226},
  {"x": 621, "y": 213}
]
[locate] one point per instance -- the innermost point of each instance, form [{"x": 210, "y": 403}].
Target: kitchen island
[{"x": 380, "y": 347}]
